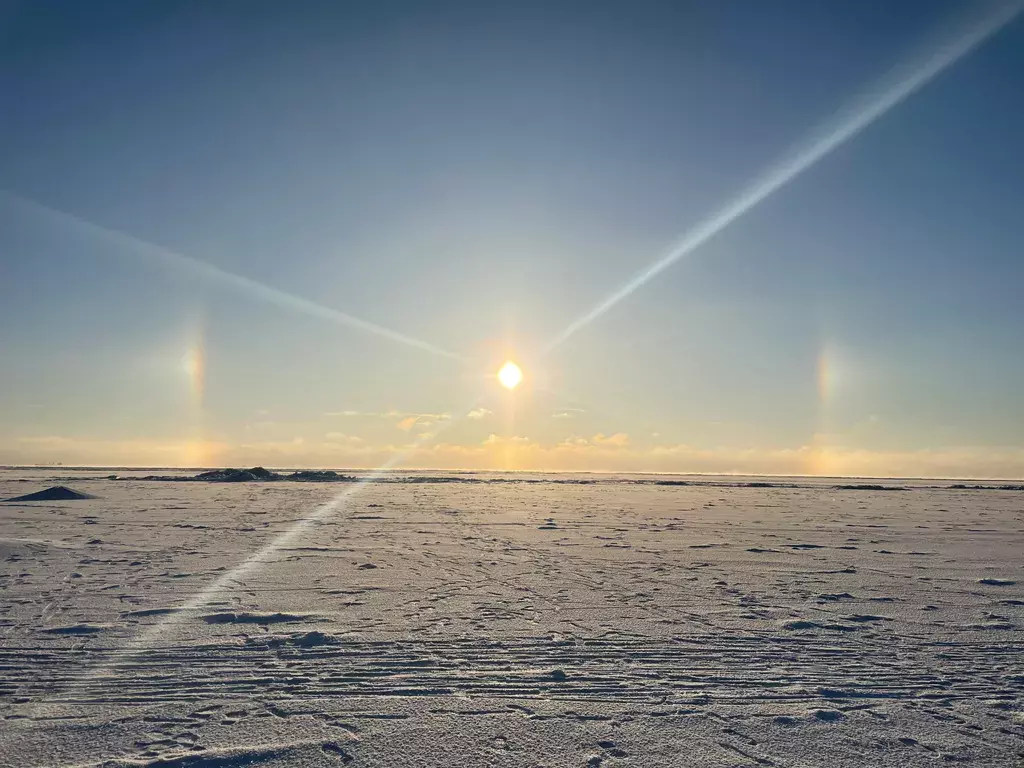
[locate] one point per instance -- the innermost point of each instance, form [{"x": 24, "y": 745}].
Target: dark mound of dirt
[
  {"x": 56, "y": 493},
  {"x": 232, "y": 475},
  {"x": 313, "y": 640},
  {"x": 315, "y": 476},
  {"x": 237, "y": 475}
]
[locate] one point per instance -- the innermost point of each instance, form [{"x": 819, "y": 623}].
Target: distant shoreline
[
  {"x": 436, "y": 470},
  {"x": 436, "y": 476}
]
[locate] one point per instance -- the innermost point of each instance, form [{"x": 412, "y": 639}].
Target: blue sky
[{"x": 477, "y": 176}]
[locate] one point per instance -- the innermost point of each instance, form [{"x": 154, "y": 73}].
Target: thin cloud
[
  {"x": 421, "y": 420},
  {"x": 365, "y": 414},
  {"x": 600, "y": 440},
  {"x": 406, "y": 420},
  {"x": 478, "y": 413},
  {"x": 432, "y": 418},
  {"x": 568, "y": 413},
  {"x": 341, "y": 437},
  {"x": 618, "y": 440},
  {"x": 493, "y": 439}
]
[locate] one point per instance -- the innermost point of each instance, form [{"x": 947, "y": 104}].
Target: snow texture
[{"x": 508, "y": 620}]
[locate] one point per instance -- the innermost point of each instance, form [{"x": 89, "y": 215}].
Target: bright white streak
[
  {"x": 225, "y": 583},
  {"x": 261, "y": 556},
  {"x": 216, "y": 275},
  {"x": 247, "y": 567},
  {"x": 911, "y": 80}
]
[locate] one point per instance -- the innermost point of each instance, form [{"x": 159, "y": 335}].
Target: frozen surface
[{"x": 615, "y": 623}]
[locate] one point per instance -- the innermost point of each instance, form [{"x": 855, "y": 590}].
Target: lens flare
[{"x": 510, "y": 375}]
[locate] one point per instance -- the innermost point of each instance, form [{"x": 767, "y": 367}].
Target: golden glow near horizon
[{"x": 510, "y": 375}]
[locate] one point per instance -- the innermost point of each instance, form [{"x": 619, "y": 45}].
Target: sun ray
[
  {"x": 908, "y": 80},
  {"x": 216, "y": 275},
  {"x": 232, "y": 579}
]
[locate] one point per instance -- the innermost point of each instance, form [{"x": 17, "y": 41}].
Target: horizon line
[{"x": 469, "y": 470}]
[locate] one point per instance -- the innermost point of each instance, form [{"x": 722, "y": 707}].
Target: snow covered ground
[{"x": 495, "y": 623}]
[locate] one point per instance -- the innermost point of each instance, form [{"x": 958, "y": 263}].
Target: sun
[{"x": 510, "y": 375}]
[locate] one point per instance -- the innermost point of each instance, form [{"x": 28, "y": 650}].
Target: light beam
[
  {"x": 233, "y": 578},
  {"x": 860, "y": 116},
  {"x": 216, "y": 275}
]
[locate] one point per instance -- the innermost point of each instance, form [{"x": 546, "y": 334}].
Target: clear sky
[{"x": 309, "y": 233}]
